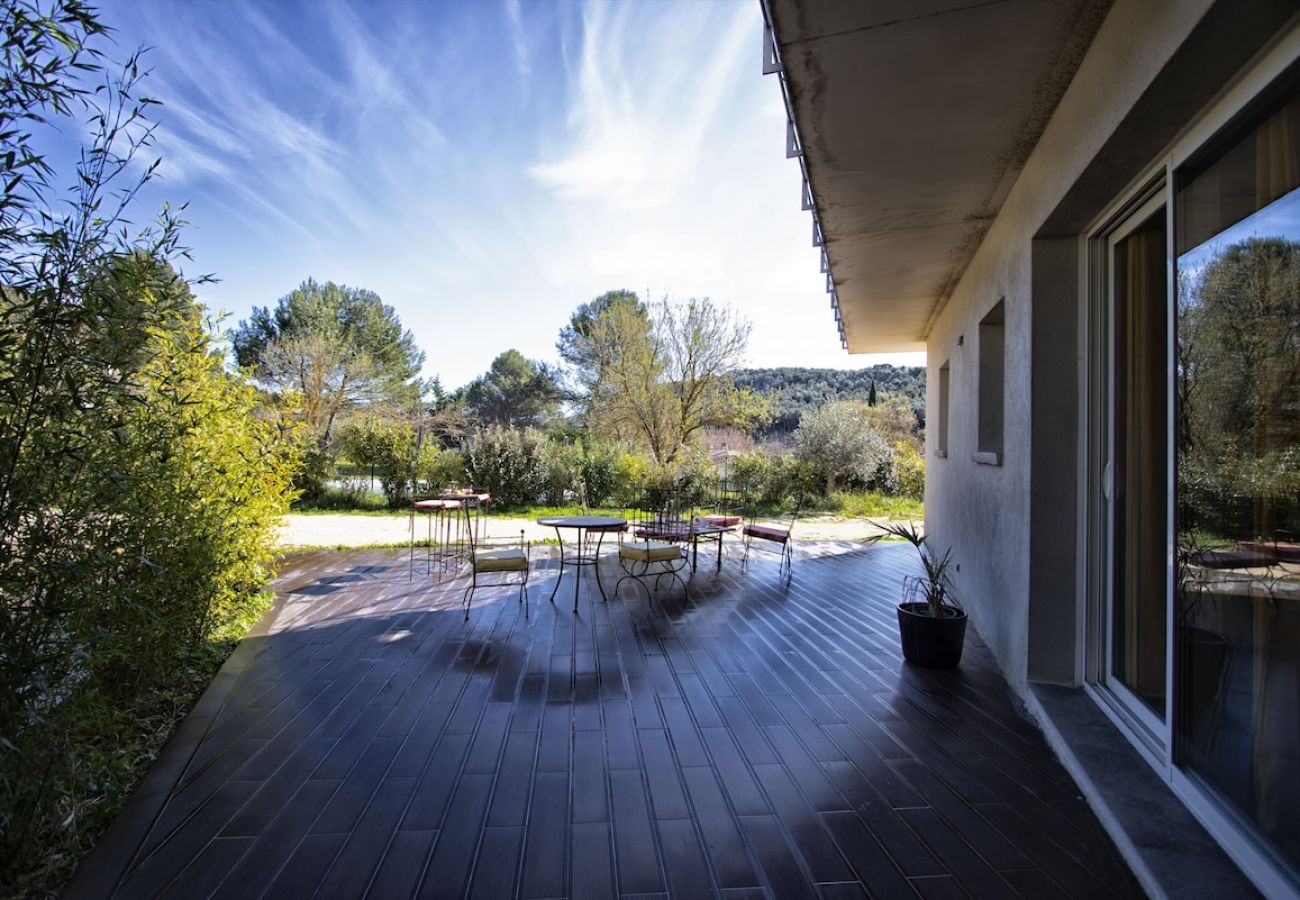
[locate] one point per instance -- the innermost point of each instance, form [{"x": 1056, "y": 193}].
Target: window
[
  {"x": 991, "y": 375},
  {"x": 1237, "y": 386},
  {"x": 941, "y": 443}
]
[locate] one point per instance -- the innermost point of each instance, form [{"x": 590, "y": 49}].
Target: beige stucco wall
[{"x": 983, "y": 511}]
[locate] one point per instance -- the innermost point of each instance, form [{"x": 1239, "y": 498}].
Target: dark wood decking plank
[
  {"x": 636, "y": 855},
  {"x": 453, "y": 853},
  {"x": 547, "y": 839}
]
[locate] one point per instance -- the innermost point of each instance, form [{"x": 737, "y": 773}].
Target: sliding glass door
[{"x": 1195, "y": 448}]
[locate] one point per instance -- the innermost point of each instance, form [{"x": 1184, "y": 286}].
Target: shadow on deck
[{"x": 764, "y": 739}]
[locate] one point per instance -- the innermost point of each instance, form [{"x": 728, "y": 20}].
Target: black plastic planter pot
[{"x": 928, "y": 641}]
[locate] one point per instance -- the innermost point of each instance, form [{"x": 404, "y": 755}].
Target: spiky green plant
[{"x": 935, "y": 587}]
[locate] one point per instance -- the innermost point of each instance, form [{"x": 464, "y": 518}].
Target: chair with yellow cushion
[
  {"x": 658, "y": 545},
  {"x": 488, "y": 557}
]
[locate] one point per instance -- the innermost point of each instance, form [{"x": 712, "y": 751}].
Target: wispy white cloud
[
  {"x": 519, "y": 38},
  {"x": 487, "y": 167},
  {"x": 644, "y": 98}
]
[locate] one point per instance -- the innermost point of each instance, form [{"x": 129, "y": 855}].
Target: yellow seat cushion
[
  {"x": 508, "y": 559},
  {"x": 650, "y": 551}
]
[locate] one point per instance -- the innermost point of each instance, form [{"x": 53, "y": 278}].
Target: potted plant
[{"x": 931, "y": 625}]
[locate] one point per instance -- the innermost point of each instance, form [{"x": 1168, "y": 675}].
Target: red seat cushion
[
  {"x": 434, "y": 505},
  {"x": 768, "y": 533},
  {"x": 1233, "y": 559},
  {"x": 722, "y": 521},
  {"x": 1282, "y": 550}
]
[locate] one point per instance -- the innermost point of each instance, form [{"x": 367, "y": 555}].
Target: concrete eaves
[{"x": 915, "y": 119}]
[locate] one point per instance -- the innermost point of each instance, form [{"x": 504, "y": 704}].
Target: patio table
[
  {"x": 684, "y": 531},
  {"x": 709, "y": 533},
  {"x": 601, "y": 525}
]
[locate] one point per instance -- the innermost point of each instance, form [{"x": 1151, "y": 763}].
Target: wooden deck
[{"x": 763, "y": 740}]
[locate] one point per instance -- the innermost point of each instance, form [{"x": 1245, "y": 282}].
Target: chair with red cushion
[
  {"x": 774, "y": 530},
  {"x": 728, "y": 506}
]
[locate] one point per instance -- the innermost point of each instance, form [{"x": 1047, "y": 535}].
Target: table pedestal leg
[
  {"x": 600, "y": 538},
  {"x": 559, "y": 575},
  {"x": 577, "y": 573}
]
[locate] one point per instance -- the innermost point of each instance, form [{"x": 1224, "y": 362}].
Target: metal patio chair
[
  {"x": 496, "y": 556},
  {"x": 658, "y": 547},
  {"x": 773, "y": 530}
]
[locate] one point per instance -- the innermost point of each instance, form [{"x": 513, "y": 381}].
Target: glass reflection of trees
[
  {"x": 1238, "y": 503},
  {"x": 1239, "y": 394}
]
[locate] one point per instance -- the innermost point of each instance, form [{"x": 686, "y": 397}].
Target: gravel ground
[{"x": 361, "y": 531}]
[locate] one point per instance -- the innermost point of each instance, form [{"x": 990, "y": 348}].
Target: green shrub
[
  {"x": 909, "y": 471},
  {"x": 631, "y": 474},
  {"x": 395, "y": 459},
  {"x": 315, "y": 468},
  {"x": 392, "y": 449},
  {"x": 509, "y": 463},
  {"x": 771, "y": 481},
  {"x": 439, "y": 467},
  {"x": 599, "y": 471},
  {"x": 563, "y": 471},
  {"x": 141, "y": 533},
  {"x": 792, "y": 480},
  {"x": 694, "y": 475},
  {"x": 140, "y": 483},
  {"x": 750, "y": 472}
]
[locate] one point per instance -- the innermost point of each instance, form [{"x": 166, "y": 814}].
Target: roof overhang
[{"x": 914, "y": 119}]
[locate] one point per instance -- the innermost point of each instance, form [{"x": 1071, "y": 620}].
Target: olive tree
[{"x": 841, "y": 442}]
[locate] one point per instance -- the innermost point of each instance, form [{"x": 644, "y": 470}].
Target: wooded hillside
[{"x": 794, "y": 391}]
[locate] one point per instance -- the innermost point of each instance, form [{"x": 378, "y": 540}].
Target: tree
[
  {"x": 515, "y": 392},
  {"x": 841, "y": 442},
  {"x": 663, "y": 375},
  {"x": 575, "y": 345},
  {"x": 894, "y": 420},
  {"x": 1239, "y": 390},
  {"x": 335, "y": 346},
  {"x": 447, "y": 418}
]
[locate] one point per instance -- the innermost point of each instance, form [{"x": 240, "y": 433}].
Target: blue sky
[{"x": 485, "y": 167}]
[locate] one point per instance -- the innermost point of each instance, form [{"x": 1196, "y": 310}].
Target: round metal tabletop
[{"x": 581, "y": 521}]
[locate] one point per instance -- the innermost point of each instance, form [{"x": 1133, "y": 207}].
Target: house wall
[
  {"x": 1012, "y": 526},
  {"x": 1027, "y": 533}
]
